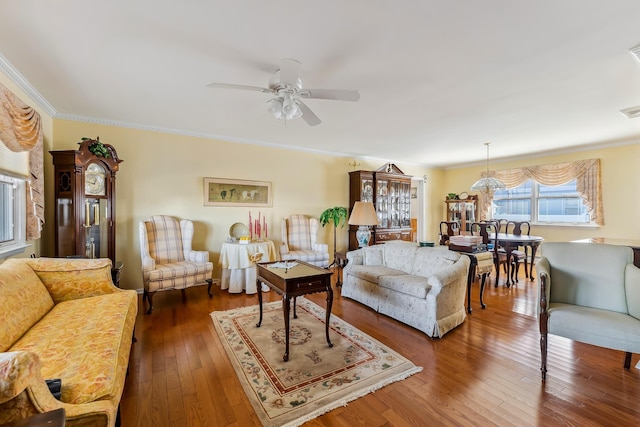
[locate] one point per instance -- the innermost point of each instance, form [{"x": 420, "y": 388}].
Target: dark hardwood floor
[{"x": 485, "y": 372}]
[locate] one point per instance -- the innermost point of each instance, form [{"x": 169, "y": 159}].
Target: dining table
[{"x": 511, "y": 242}]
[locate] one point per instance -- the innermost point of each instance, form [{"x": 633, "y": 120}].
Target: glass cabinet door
[
  {"x": 382, "y": 203},
  {"x": 366, "y": 190},
  {"x": 405, "y": 205}
]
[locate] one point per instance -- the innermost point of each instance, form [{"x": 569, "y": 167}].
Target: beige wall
[
  {"x": 163, "y": 174},
  {"x": 620, "y": 189}
]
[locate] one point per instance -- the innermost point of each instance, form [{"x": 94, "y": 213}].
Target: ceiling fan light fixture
[
  {"x": 275, "y": 107},
  {"x": 290, "y": 109}
]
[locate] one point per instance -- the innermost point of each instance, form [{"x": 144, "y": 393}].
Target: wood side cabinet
[
  {"x": 85, "y": 201},
  {"x": 389, "y": 189},
  {"x": 464, "y": 212}
]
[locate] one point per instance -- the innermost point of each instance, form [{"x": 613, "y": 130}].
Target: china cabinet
[
  {"x": 389, "y": 189},
  {"x": 463, "y": 211},
  {"x": 85, "y": 201}
]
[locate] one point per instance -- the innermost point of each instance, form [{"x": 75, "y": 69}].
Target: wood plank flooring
[{"x": 485, "y": 372}]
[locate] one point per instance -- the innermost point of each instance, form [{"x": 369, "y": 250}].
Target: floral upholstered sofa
[
  {"x": 63, "y": 318},
  {"x": 423, "y": 287}
]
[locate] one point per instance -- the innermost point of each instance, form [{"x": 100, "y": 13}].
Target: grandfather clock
[{"x": 85, "y": 201}]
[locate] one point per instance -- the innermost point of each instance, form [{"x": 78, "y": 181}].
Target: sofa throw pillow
[
  {"x": 632, "y": 288},
  {"x": 373, "y": 255}
]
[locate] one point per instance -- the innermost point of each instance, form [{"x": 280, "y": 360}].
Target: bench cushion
[
  {"x": 88, "y": 352},
  {"x": 372, "y": 273},
  {"x": 415, "y": 286},
  {"x": 603, "y": 328}
]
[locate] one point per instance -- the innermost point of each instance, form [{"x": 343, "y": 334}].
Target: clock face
[{"x": 94, "y": 179}]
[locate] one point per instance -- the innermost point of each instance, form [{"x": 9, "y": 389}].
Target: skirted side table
[{"x": 238, "y": 262}]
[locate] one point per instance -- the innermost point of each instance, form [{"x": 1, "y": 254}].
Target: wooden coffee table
[{"x": 293, "y": 282}]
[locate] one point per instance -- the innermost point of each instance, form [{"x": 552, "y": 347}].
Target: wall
[
  {"x": 163, "y": 174},
  {"x": 620, "y": 189}
]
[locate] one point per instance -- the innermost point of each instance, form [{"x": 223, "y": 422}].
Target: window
[
  {"x": 534, "y": 202},
  {"x": 12, "y": 214}
]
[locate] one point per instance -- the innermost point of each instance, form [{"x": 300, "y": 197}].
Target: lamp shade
[
  {"x": 363, "y": 213},
  {"x": 488, "y": 183}
]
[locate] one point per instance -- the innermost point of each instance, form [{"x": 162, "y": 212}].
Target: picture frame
[
  {"x": 237, "y": 192},
  {"x": 414, "y": 192}
]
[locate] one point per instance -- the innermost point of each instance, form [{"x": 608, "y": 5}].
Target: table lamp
[{"x": 363, "y": 215}]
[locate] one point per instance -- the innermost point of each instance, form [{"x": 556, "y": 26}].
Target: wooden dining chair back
[
  {"x": 448, "y": 229},
  {"x": 502, "y": 224},
  {"x": 518, "y": 227},
  {"x": 520, "y": 256}
]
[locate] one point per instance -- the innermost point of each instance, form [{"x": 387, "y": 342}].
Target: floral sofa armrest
[
  {"x": 23, "y": 393},
  {"x": 355, "y": 257},
  {"x": 448, "y": 276},
  {"x": 75, "y": 278}
]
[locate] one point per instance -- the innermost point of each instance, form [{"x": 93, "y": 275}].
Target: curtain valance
[
  {"x": 585, "y": 172},
  {"x": 21, "y": 130}
]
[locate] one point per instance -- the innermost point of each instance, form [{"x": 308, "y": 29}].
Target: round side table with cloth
[{"x": 238, "y": 264}]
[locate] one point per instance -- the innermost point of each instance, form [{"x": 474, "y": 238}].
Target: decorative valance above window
[
  {"x": 21, "y": 130},
  {"x": 585, "y": 172}
]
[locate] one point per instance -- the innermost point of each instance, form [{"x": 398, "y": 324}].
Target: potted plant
[{"x": 337, "y": 215}]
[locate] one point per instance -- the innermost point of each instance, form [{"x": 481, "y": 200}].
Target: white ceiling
[{"x": 437, "y": 78}]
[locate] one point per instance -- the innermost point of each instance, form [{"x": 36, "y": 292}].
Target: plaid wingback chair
[
  {"x": 168, "y": 262},
  {"x": 299, "y": 241}
]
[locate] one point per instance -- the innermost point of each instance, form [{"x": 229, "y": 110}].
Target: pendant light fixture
[{"x": 488, "y": 183}]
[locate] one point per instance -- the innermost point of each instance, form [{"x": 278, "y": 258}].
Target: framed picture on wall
[
  {"x": 237, "y": 192},
  {"x": 414, "y": 192}
]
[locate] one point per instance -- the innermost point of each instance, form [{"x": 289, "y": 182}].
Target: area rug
[{"x": 316, "y": 379}]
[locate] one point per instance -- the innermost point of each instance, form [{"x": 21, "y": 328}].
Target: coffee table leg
[
  {"x": 328, "y": 312},
  {"x": 286, "y": 309},
  {"x": 259, "y": 302},
  {"x": 295, "y": 313}
]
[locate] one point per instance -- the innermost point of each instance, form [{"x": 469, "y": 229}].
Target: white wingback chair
[
  {"x": 299, "y": 234},
  {"x": 168, "y": 262}
]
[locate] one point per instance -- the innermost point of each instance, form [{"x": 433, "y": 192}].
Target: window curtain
[
  {"x": 585, "y": 172},
  {"x": 21, "y": 130}
]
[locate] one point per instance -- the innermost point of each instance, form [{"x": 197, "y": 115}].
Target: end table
[{"x": 341, "y": 261}]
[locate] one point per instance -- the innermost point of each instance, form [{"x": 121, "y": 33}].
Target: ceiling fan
[{"x": 286, "y": 86}]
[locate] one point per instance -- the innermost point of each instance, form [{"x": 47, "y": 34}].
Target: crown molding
[{"x": 19, "y": 80}]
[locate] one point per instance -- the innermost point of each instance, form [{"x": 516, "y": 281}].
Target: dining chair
[
  {"x": 502, "y": 224},
  {"x": 448, "y": 229},
  {"x": 488, "y": 230},
  {"x": 520, "y": 256},
  {"x": 500, "y": 227}
]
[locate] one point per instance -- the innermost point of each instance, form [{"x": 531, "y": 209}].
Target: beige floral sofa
[
  {"x": 63, "y": 318},
  {"x": 423, "y": 287}
]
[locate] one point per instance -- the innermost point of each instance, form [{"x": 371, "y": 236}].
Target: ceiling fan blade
[
  {"x": 335, "y": 94},
  {"x": 289, "y": 71},
  {"x": 308, "y": 115},
  {"x": 243, "y": 87}
]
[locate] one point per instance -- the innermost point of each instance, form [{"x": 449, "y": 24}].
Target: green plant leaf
[{"x": 337, "y": 215}]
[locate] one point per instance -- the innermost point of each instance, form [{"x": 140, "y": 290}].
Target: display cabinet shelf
[{"x": 389, "y": 189}]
